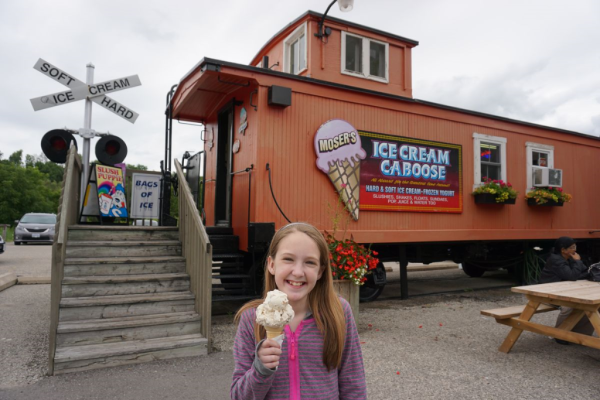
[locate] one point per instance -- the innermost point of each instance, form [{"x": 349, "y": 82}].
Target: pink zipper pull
[{"x": 293, "y": 348}]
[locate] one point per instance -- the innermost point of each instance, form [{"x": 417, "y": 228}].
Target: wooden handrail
[
  {"x": 68, "y": 209},
  {"x": 197, "y": 250}
]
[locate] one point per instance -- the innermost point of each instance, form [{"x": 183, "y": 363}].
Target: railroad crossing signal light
[
  {"x": 111, "y": 150},
  {"x": 56, "y": 143}
]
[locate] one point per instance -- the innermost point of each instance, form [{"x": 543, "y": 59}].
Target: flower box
[
  {"x": 350, "y": 292},
  {"x": 488, "y": 198},
  {"x": 549, "y": 203}
]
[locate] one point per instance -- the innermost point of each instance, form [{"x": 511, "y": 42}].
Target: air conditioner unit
[{"x": 546, "y": 177}]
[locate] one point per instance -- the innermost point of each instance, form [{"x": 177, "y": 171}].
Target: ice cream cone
[
  {"x": 273, "y": 332},
  {"x": 346, "y": 180}
]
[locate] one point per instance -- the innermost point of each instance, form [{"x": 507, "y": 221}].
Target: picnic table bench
[{"x": 582, "y": 296}]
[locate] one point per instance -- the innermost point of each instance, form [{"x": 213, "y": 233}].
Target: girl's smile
[{"x": 296, "y": 268}]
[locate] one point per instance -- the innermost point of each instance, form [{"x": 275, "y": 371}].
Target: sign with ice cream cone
[
  {"x": 372, "y": 171},
  {"x": 339, "y": 151},
  {"x": 408, "y": 174}
]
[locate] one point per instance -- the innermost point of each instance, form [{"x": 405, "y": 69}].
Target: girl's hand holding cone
[{"x": 269, "y": 353}]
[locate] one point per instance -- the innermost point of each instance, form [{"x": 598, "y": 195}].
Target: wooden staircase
[{"x": 125, "y": 299}]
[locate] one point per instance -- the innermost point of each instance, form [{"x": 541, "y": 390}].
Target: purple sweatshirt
[{"x": 301, "y": 373}]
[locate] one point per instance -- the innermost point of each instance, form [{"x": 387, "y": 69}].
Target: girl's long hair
[{"x": 323, "y": 300}]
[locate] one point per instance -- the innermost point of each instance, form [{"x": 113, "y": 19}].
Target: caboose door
[{"x": 223, "y": 186}]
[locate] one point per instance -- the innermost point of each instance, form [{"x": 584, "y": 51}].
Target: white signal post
[{"x": 87, "y": 126}]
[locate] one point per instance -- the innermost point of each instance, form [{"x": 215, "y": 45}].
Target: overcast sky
[{"x": 531, "y": 60}]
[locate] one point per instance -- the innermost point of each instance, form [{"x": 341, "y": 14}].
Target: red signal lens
[
  {"x": 112, "y": 148},
  {"x": 58, "y": 143}
]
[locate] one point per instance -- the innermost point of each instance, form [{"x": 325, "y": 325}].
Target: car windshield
[{"x": 38, "y": 219}]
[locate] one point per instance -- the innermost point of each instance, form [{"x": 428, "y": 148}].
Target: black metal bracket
[
  {"x": 251, "y": 98},
  {"x": 320, "y": 33},
  {"x": 233, "y": 83},
  {"x": 274, "y": 65},
  {"x": 250, "y": 168}
]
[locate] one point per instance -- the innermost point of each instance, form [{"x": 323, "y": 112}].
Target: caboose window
[
  {"x": 364, "y": 58},
  {"x": 489, "y": 158},
  {"x": 295, "y": 51},
  {"x": 538, "y": 155}
]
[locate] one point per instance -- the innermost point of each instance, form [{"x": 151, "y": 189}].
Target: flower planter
[
  {"x": 488, "y": 198},
  {"x": 350, "y": 292},
  {"x": 549, "y": 203}
]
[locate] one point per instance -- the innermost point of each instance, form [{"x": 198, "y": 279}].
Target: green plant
[
  {"x": 532, "y": 267},
  {"x": 500, "y": 189},
  {"x": 544, "y": 195},
  {"x": 348, "y": 259}
]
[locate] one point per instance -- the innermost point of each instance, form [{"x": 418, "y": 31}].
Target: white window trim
[
  {"x": 365, "y": 59},
  {"x": 477, "y": 139},
  {"x": 287, "y": 43},
  {"x": 531, "y": 147}
]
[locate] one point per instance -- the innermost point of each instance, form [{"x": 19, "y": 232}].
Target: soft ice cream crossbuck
[{"x": 339, "y": 151}]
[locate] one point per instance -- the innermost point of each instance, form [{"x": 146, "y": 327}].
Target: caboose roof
[{"x": 193, "y": 102}]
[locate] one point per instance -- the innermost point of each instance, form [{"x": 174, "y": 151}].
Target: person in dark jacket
[{"x": 564, "y": 264}]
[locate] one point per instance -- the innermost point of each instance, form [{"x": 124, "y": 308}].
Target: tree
[
  {"x": 25, "y": 190},
  {"x": 16, "y": 158}
]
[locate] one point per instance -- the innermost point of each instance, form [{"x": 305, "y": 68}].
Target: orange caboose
[{"x": 317, "y": 117}]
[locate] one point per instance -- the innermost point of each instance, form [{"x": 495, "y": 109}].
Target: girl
[{"x": 321, "y": 356}]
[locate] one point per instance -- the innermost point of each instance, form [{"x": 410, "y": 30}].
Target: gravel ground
[
  {"x": 25, "y": 316},
  {"x": 429, "y": 347},
  {"x": 27, "y": 259},
  {"x": 440, "y": 347}
]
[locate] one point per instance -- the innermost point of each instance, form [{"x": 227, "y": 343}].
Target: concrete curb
[
  {"x": 33, "y": 280},
  {"x": 423, "y": 267},
  {"x": 7, "y": 280}
]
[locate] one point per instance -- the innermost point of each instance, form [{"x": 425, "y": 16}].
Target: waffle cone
[
  {"x": 273, "y": 332},
  {"x": 346, "y": 180}
]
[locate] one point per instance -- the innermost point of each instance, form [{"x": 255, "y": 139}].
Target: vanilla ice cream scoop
[{"x": 274, "y": 313}]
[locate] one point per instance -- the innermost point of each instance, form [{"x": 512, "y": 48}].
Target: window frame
[
  {"x": 498, "y": 140},
  {"x": 366, "y": 65},
  {"x": 287, "y": 44},
  {"x": 532, "y": 147}
]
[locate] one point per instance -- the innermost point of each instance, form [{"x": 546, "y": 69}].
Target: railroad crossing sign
[{"x": 80, "y": 91}]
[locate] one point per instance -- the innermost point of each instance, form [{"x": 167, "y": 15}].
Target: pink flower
[{"x": 344, "y": 185}]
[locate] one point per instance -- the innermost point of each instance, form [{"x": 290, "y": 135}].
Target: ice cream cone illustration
[
  {"x": 275, "y": 313},
  {"x": 339, "y": 152}
]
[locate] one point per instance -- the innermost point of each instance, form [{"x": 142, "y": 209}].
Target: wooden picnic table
[{"x": 582, "y": 296}]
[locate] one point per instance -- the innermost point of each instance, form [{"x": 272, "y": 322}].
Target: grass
[{"x": 10, "y": 234}]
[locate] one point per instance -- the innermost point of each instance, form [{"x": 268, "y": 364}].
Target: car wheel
[
  {"x": 472, "y": 270},
  {"x": 17, "y": 243}
]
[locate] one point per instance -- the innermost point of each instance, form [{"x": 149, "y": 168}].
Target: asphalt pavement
[{"x": 427, "y": 347}]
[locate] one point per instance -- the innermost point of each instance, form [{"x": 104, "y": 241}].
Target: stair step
[
  {"x": 236, "y": 276},
  {"x": 83, "y": 308},
  {"x": 124, "y": 299},
  {"x": 125, "y": 322},
  {"x": 81, "y": 249},
  {"x": 119, "y": 286},
  {"x": 79, "y": 280},
  {"x": 123, "y": 233},
  {"x": 80, "y": 358},
  {"x": 227, "y": 256},
  {"x": 123, "y": 266},
  {"x": 234, "y": 298},
  {"x": 218, "y": 230},
  {"x": 110, "y": 330}
]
